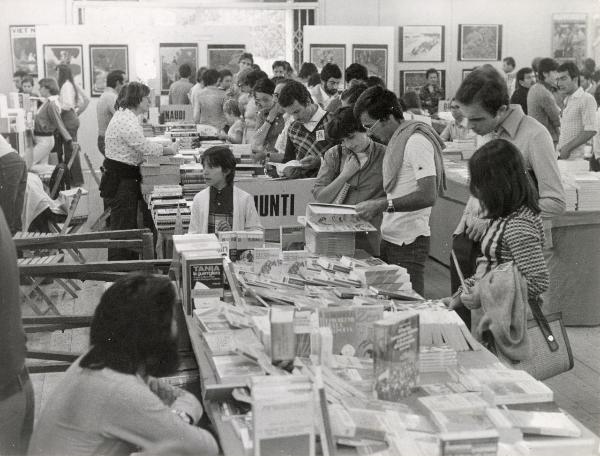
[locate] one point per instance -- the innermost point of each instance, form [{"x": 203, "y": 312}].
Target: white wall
[{"x": 526, "y": 25}]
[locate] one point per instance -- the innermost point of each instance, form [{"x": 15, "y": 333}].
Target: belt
[
  {"x": 40, "y": 133},
  {"x": 16, "y": 385}
]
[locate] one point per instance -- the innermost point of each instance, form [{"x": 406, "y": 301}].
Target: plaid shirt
[
  {"x": 303, "y": 143},
  {"x": 430, "y": 100},
  {"x": 578, "y": 115}
]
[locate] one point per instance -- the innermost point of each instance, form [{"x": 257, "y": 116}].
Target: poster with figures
[
  {"x": 413, "y": 80},
  {"x": 321, "y": 54},
  {"x": 68, "y": 54},
  {"x": 103, "y": 60},
  {"x": 23, "y": 48},
  {"x": 569, "y": 37},
  {"x": 172, "y": 56}
]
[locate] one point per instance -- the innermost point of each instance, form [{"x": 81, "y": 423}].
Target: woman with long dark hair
[{"x": 73, "y": 102}]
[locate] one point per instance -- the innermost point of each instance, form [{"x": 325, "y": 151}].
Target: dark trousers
[
  {"x": 101, "y": 145},
  {"x": 466, "y": 252},
  {"x": 410, "y": 256},
  {"x": 71, "y": 122},
  {"x": 124, "y": 215},
  {"x": 16, "y": 420},
  {"x": 13, "y": 181}
]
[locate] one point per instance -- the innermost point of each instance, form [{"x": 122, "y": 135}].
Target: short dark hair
[
  {"x": 287, "y": 66},
  {"x": 264, "y": 85},
  {"x": 351, "y": 94},
  {"x": 314, "y": 80},
  {"x": 545, "y": 66},
  {"x": 330, "y": 70},
  {"x": 132, "y": 94},
  {"x": 224, "y": 73},
  {"x": 131, "y": 327},
  {"x": 185, "y": 70},
  {"x": 510, "y": 61},
  {"x": 500, "y": 181},
  {"x": 431, "y": 71},
  {"x": 411, "y": 100},
  {"x": 307, "y": 69},
  {"x": 596, "y": 76},
  {"x": 220, "y": 156},
  {"x": 373, "y": 81},
  {"x": 342, "y": 124},
  {"x": 378, "y": 103},
  {"x": 200, "y": 72},
  {"x": 232, "y": 107},
  {"x": 115, "y": 77},
  {"x": 589, "y": 64},
  {"x": 356, "y": 71},
  {"x": 210, "y": 77},
  {"x": 246, "y": 56},
  {"x": 28, "y": 79},
  {"x": 20, "y": 74},
  {"x": 278, "y": 79},
  {"x": 486, "y": 86},
  {"x": 278, "y": 63},
  {"x": 571, "y": 68},
  {"x": 523, "y": 72},
  {"x": 294, "y": 91},
  {"x": 50, "y": 84},
  {"x": 535, "y": 64},
  {"x": 252, "y": 77},
  {"x": 586, "y": 74}
]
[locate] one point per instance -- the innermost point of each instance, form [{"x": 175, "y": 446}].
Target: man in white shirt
[
  {"x": 106, "y": 103},
  {"x": 327, "y": 90},
  {"x": 412, "y": 176},
  {"x": 578, "y": 122},
  {"x": 508, "y": 67}
]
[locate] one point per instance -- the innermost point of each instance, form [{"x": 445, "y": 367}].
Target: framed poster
[
  {"x": 479, "y": 42},
  {"x": 569, "y": 37},
  {"x": 23, "y": 48},
  {"x": 421, "y": 43},
  {"x": 373, "y": 57},
  {"x": 225, "y": 56},
  {"x": 171, "y": 57},
  {"x": 103, "y": 60},
  {"x": 413, "y": 80},
  {"x": 320, "y": 54},
  {"x": 69, "y": 54}
]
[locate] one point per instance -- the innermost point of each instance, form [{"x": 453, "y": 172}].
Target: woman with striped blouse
[{"x": 508, "y": 196}]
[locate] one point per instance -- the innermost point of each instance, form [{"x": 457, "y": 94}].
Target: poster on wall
[
  {"x": 320, "y": 54},
  {"x": 23, "y": 48},
  {"x": 68, "y": 54},
  {"x": 479, "y": 42},
  {"x": 103, "y": 60},
  {"x": 414, "y": 80},
  {"x": 172, "y": 56},
  {"x": 373, "y": 57},
  {"x": 225, "y": 56},
  {"x": 569, "y": 37},
  {"x": 421, "y": 43}
]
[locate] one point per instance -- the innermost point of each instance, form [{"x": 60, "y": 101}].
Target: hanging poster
[
  {"x": 373, "y": 57},
  {"x": 421, "y": 43},
  {"x": 479, "y": 42},
  {"x": 569, "y": 37},
  {"x": 103, "y": 60},
  {"x": 23, "y": 48},
  {"x": 225, "y": 56},
  {"x": 172, "y": 56},
  {"x": 413, "y": 80},
  {"x": 68, "y": 54},
  {"x": 320, "y": 54}
]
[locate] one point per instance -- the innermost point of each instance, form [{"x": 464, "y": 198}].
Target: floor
[{"x": 577, "y": 391}]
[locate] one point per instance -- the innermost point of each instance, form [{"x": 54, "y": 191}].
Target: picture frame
[
  {"x": 569, "y": 37},
  {"x": 224, "y": 56},
  {"x": 421, "y": 43},
  {"x": 23, "y": 48},
  {"x": 479, "y": 42},
  {"x": 320, "y": 54},
  {"x": 415, "y": 79},
  {"x": 105, "y": 58},
  {"x": 171, "y": 56},
  {"x": 70, "y": 54},
  {"x": 374, "y": 57}
]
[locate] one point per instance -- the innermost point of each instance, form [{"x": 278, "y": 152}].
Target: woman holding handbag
[
  {"x": 351, "y": 172},
  {"x": 512, "y": 246}
]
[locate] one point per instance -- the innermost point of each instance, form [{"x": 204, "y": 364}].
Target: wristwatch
[{"x": 390, "y": 206}]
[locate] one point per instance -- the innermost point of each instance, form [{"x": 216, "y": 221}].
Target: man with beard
[
  {"x": 109, "y": 401},
  {"x": 326, "y": 92}
]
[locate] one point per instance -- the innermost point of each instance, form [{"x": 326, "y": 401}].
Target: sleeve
[
  {"x": 552, "y": 109},
  {"x": 139, "y": 417},
  {"x": 54, "y": 112},
  {"x": 545, "y": 168},
  {"x": 132, "y": 135},
  {"x": 420, "y": 154},
  {"x": 327, "y": 172},
  {"x": 525, "y": 244},
  {"x": 589, "y": 114},
  {"x": 67, "y": 96},
  {"x": 281, "y": 142},
  {"x": 196, "y": 217}
]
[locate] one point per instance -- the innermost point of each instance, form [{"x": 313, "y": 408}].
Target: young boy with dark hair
[{"x": 222, "y": 206}]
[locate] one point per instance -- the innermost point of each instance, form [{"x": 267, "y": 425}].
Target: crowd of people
[{"x": 364, "y": 148}]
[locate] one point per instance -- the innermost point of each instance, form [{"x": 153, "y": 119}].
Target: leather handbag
[{"x": 550, "y": 346}]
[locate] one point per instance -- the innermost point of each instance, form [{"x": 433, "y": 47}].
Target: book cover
[
  {"x": 283, "y": 338},
  {"x": 267, "y": 261},
  {"x": 235, "y": 369},
  {"x": 293, "y": 262},
  {"x": 396, "y": 350},
  {"x": 204, "y": 271},
  {"x": 342, "y": 321}
]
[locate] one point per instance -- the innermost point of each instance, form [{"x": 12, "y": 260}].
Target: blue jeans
[
  {"x": 410, "y": 256},
  {"x": 13, "y": 181}
]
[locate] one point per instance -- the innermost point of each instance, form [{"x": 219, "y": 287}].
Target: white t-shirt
[{"x": 404, "y": 227}]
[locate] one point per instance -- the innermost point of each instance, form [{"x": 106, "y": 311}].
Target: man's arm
[
  {"x": 588, "y": 119},
  {"x": 545, "y": 168},
  {"x": 581, "y": 138},
  {"x": 551, "y": 109}
]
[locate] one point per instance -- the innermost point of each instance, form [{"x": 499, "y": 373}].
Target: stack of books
[
  {"x": 241, "y": 244},
  {"x": 184, "y": 133},
  {"x": 192, "y": 179},
  {"x": 588, "y": 195},
  {"x": 163, "y": 170},
  {"x": 168, "y": 208},
  {"x": 391, "y": 281},
  {"x": 570, "y": 195},
  {"x": 508, "y": 386},
  {"x": 441, "y": 328}
]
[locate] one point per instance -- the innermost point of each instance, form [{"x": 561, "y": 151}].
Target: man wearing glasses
[
  {"x": 327, "y": 90},
  {"x": 457, "y": 128},
  {"x": 413, "y": 173}
]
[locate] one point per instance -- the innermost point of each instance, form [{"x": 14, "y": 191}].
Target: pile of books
[
  {"x": 184, "y": 133},
  {"x": 588, "y": 193},
  {"x": 192, "y": 179},
  {"x": 160, "y": 170},
  {"x": 241, "y": 244}
]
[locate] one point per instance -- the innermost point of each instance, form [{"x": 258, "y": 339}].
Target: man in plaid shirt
[{"x": 306, "y": 136}]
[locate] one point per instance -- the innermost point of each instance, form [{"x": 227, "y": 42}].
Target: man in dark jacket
[{"x": 525, "y": 79}]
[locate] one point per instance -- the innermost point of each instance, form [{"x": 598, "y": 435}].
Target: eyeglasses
[{"x": 370, "y": 128}]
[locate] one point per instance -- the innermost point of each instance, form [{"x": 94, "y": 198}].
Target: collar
[
  {"x": 110, "y": 90},
  {"x": 511, "y": 122},
  {"x": 577, "y": 94},
  {"x": 324, "y": 95},
  {"x": 315, "y": 119}
]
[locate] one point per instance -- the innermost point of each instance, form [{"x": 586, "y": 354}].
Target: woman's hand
[
  {"x": 351, "y": 167},
  {"x": 476, "y": 227}
]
